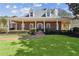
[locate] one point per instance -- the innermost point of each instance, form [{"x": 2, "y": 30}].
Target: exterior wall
[{"x": 74, "y": 23}]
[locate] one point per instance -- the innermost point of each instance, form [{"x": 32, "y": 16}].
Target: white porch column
[
  {"x": 35, "y": 26},
  {"x": 44, "y": 25},
  {"x": 50, "y": 13},
  {"x": 57, "y": 25},
  {"x": 22, "y": 25},
  {"x": 62, "y": 28},
  {"x": 16, "y": 26},
  {"x": 69, "y": 26},
  {"x": 8, "y": 25}
]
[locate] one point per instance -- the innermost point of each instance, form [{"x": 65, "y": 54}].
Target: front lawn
[{"x": 48, "y": 45}]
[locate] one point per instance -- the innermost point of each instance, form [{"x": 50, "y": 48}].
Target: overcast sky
[{"x": 19, "y": 9}]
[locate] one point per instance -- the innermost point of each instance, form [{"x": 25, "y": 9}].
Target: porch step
[{"x": 39, "y": 33}]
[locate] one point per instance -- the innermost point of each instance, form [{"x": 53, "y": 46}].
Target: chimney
[{"x": 50, "y": 12}]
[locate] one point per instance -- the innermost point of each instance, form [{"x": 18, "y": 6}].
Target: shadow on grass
[
  {"x": 70, "y": 34},
  {"x": 73, "y": 35},
  {"x": 24, "y": 48}
]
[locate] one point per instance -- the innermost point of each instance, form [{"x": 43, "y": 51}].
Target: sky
[{"x": 19, "y": 9}]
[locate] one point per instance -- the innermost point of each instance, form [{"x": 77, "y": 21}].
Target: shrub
[
  {"x": 24, "y": 36},
  {"x": 50, "y": 31},
  {"x": 3, "y": 30},
  {"x": 75, "y": 30}
]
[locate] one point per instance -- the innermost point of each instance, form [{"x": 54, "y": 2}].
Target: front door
[{"x": 40, "y": 26}]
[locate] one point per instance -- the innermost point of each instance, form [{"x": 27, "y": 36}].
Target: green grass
[{"x": 48, "y": 45}]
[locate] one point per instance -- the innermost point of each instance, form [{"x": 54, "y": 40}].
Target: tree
[
  {"x": 14, "y": 16},
  {"x": 3, "y": 23},
  {"x": 61, "y": 13},
  {"x": 74, "y": 7}
]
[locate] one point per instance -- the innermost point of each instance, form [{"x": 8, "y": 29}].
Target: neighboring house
[{"x": 40, "y": 20}]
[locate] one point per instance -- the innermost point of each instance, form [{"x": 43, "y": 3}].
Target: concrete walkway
[
  {"x": 8, "y": 37},
  {"x": 16, "y": 38}
]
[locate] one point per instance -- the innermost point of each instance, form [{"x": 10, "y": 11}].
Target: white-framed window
[
  {"x": 31, "y": 25},
  {"x": 48, "y": 25}
]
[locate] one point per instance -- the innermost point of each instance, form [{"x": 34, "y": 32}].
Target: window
[
  {"x": 31, "y": 26},
  {"x": 48, "y": 25}
]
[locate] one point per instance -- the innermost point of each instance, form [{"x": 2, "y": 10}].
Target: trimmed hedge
[
  {"x": 50, "y": 31},
  {"x": 75, "y": 30}
]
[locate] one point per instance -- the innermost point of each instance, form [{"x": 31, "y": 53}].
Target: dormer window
[
  {"x": 48, "y": 14},
  {"x": 27, "y": 15},
  {"x": 31, "y": 14},
  {"x": 44, "y": 15}
]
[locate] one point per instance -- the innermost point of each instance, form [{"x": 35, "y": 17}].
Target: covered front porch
[{"x": 41, "y": 24}]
